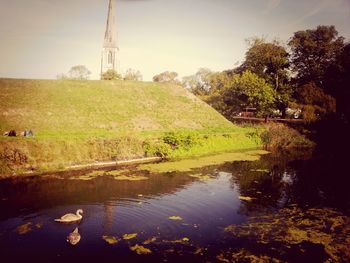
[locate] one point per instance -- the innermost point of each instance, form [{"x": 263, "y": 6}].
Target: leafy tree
[
  {"x": 337, "y": 81},
  {"x": 343, "y": 88},
  {"x": 132, "y": 74},
  {"x": 248, "y": 90},
  {"x": 314, "y": 102},
  {"x": 166, "y": 76},
  {"x": 111, "y": 75},
  {"x": 199, "y": 83},
  {"x": 271, "y": 62},
  {"x": 79, "y": 72},
  {"x": 313, "y": 52},
  {"x": 268, "y": 60}
]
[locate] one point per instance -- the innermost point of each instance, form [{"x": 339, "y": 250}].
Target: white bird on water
[
  {"x": 74, "y": 237},
  {"x": 70, "y": 218}
]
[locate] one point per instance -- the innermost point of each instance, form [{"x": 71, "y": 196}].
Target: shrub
[
  {"x": 279, "y": 135},
  {"x": 159, "y": 149},
  {"x": 184, "y": 139}
]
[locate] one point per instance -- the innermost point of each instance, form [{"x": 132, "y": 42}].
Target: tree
[
  {"x": 270, "y": 60},
  {"x": 337, "y": 82},
  {"x": 132, "y": 74},
  {"x": 314, "y": 102},
  {"x": 313, "y": 52},
  {"x": 62, "y": 76},
  {"x": 199, "y": 83},
  {"x": 111, "y": 75},
  {"x": 166, "y": 76},
  {"x": 248, "y": 90},
  {"x": 79, "y": 72}
]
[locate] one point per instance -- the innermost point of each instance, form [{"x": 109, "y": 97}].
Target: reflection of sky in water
[
  {"x": 206, "y": 205},
  {"x": 287, "y": 178}
]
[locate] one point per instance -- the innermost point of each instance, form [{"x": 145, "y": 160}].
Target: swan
[
  {"x": 74, "y": 237},
  {"x": 70, "y": 218}
]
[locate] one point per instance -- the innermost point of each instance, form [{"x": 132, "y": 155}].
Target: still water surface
[{"x": 176, "y": 216}]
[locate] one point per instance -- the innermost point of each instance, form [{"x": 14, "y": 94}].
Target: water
[{"x": 233, "y": 194}]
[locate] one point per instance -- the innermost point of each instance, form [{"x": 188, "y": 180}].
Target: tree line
[
  {"x": 309, "y": 72},
  {"x": 81, "y": 72}
]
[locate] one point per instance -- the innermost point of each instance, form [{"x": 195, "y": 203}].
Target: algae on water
[
  {"x": 111, "y": 240},
  {"x": 175, "y": 218},
  {"x": 187, "y": 165},
  {"x": 87, "y": 177},
  {"x": 129, "y": 236},
  {"x": 141, "y": 250},
  {"x": 24, "y": 229},
  {"x": 293, "y": 226}
]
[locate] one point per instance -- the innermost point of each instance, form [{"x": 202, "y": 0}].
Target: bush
[
  {"x": 111, "y": 75},
  {"x": 184, "y": 139},
  {"x": 279, "y": 135},
  {"x": 159, "y": 149}
]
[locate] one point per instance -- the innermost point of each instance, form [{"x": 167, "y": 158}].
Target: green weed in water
[{"x": 187, "y": 165}]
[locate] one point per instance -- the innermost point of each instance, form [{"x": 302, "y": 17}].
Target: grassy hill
[
  {"x": 82, "y": 121},
  {"x": 103, "y": 108}
]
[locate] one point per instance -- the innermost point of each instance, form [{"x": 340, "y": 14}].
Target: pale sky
[{"x": 43, "y": 38}]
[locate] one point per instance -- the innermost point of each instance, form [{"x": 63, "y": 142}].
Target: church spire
[{"x": 110, "y": 46}]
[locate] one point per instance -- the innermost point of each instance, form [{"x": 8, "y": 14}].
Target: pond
[{"x": 280, "y": 208}]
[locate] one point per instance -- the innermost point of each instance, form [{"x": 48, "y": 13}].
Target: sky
[{"x": 40, "y": 39}]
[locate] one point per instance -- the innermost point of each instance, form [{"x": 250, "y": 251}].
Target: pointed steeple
[
  {"x": 110, "y": 46},
  {"x": 111, "y": 29}
]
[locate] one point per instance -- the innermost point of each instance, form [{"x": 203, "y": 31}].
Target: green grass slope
[
  {"x": 102, "y": 108},
  {"x": 77, "y": 122}
]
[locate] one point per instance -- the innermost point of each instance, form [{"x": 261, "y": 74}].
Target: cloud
[
  {"x": 271, "y": 5},
  {"x": 321, "y": 5}
]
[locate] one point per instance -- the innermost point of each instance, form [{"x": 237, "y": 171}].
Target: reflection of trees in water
[
  {"x": 269, "y": 181},
  {"x": 109, "y": 207},
  {"x": 320, "y": 183},
  {"x": 284, "y": 178},
  {"x": 46, "y": 192}
]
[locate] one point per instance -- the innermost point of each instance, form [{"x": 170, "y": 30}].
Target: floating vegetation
[
  {"x": 27, "y": 227},
  {"x": 130, "y": 177},
  {"x": 87, "y": 177},
  {"x": 245, "y": 198},
  {"x": 129, "y": 236},
  {"x": 199, "y": 251},
  {"x": 187, "y": 165},
  {"x": 141, "y": 250},
  {"x": 243, "y": 255},
  {"x": 150, "y": 240},
  {"x": 24, "y": 229},
  {"x": 115, "y": 172},
  {"x": 184, "y": 240},
  {"x": 38, "y": 225},
  {"x": 291, "y": 226},
  {"x": 175, "y": 217},
  {"x": 110, "y": 239}
]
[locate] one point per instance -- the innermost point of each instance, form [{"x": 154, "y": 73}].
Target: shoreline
[{"x": 84, "y": 167}]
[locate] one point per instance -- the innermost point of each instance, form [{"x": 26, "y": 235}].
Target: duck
[
  {"x": 71, "y": 218},
  {"x": 74, "y": 237}
]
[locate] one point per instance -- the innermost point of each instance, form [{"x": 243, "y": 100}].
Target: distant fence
[{"x": 261, "y": 120}]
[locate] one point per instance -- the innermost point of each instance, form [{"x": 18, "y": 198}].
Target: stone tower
[{"x": 110, "y": 46}]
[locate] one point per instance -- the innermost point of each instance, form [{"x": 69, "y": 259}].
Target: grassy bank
[
  {"x": 77, "y": 122},
  {"x": 22, "y": 154}
]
